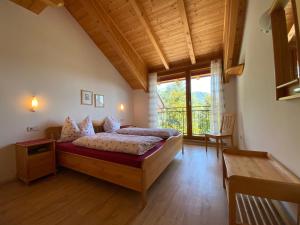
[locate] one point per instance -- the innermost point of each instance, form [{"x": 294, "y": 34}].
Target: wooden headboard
[{"x": 55, "y": 132}]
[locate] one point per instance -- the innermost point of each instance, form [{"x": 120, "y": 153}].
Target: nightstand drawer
[{"x": 40, "y": 164}]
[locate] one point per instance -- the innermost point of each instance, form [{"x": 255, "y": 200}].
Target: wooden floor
[{"x": 188, "y": 192}]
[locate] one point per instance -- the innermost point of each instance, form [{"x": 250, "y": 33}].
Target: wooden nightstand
[{"x": 35, "y": 159}]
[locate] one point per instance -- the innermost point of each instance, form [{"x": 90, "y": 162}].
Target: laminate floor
[{"x": 188, "y": 192}]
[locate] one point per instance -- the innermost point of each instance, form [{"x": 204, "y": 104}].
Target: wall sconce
[
  {"x": 122, "y": 107},
  {"x": 34, "y": 104}
]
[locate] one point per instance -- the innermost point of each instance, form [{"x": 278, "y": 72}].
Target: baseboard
[
  {"x": 202, "y": 143},
  {"x": 5, "y": 181}
]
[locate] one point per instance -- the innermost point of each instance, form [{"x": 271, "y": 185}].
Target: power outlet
[{"x": 32, "y": 129}]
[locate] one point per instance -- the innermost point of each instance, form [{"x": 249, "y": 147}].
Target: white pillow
[
  {"x": 111, "y": 124},
  {"x": 86, "y": 127},
  {"x": 70, "y": 131}
]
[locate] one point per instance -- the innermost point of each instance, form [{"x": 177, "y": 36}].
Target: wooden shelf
[
  {"x": 288, "y": 84},
  {"x": 290, "y": 97},
  {"x": 291, "y": 33},
  {"x": 234, "y": 71}
]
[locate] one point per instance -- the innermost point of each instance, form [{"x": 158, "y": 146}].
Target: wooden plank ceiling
[
  {"x": 141, "y": 36},
  {"x": 162, "y": 34}
]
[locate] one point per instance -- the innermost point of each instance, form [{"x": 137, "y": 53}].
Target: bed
[{"x": 138, "y": 174}]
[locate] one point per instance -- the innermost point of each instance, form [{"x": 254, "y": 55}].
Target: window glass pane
[
  {"x": 201, "y": 101},
  {"x": 172, "y": 105}
]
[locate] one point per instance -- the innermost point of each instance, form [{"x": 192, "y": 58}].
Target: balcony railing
[{"x": 176, "y": 118}]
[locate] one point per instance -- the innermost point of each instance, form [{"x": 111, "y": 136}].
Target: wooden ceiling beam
[
  {"x": 187, "y": 31},
  {"x": 183, "y": 64},
  {"x": 140, "y": 13},
  {"x": 235, "y": 13},
  {"x": 180, "y": 69},
  {"x": 230, "y": 25},
  {"x": 120, "y": 44}
]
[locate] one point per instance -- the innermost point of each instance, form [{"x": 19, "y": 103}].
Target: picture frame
[
  {"x": 99, "y": 101},
  {"x": 86, "y": 97}
]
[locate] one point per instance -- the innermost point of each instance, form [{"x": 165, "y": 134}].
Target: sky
[
  {"x": 198, "y": 85},
  {"x": 202, "y": 84}
]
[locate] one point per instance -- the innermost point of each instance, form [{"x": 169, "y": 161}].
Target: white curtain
[
  {"x": 217, "y": 101},
  {"x": 152, "y": 100}
]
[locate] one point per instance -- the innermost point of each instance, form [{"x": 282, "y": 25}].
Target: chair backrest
[{"x": 228, "y": 121}]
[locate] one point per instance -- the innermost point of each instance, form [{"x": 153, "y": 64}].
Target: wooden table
[{"x": 257, "y": 174}]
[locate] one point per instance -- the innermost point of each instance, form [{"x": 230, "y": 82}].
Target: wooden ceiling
[{"x": 139, "y": 36}]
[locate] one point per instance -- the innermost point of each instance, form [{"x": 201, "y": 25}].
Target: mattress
[{"x": 116, "y": 157}]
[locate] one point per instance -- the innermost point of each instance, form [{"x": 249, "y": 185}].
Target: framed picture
[
  {"x": 99, "y": 101},
  {"x": 86, "y": 97}
]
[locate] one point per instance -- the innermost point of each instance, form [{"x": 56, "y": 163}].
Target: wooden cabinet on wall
[{"x": 286, "y": 44}]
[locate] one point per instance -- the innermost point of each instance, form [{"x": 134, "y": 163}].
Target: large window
[{"x": 191, "y": 118}]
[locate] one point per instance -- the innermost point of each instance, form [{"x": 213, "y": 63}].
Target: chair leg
[
  {"x": 206, "y": 143},
  {"x": 221, "y": 148},
  {"x": 231, "y": 138},
  {"x": 217, "y": 143}
]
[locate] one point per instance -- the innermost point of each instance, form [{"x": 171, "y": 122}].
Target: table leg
[
  {"x": 231, "y": 207},
  {"x": 298, "y": 217}
]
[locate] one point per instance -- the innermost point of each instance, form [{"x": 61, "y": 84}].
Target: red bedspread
[{"x": 117, "y": 157}]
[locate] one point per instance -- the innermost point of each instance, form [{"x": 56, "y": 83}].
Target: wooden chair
[{"x": 226, "y": 132}]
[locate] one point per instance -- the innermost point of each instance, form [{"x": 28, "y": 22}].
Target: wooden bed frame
[{"x": 138, "y": 179}]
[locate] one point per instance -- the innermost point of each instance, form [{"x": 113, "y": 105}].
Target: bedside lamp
[{"x": 34, "y": 104}]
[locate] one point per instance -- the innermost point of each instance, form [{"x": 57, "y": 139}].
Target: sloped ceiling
[{"x": 139, "y": 36}]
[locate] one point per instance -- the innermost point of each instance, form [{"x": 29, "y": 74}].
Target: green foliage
[
  {"x": 173, "y": 115},
  {"x": 173, "y": 94}
]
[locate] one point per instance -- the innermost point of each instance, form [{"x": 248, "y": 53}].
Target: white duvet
[
  {"x": 131, "y": 144},
  {"x": 156, "y": 132}
]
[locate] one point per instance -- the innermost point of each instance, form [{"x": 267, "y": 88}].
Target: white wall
[
  {"x": 141, "y": 108},
  {"x": 264, "y": 123},
  {"x": 230, "y": 104},
  {"x": 50, "y": 56}
]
